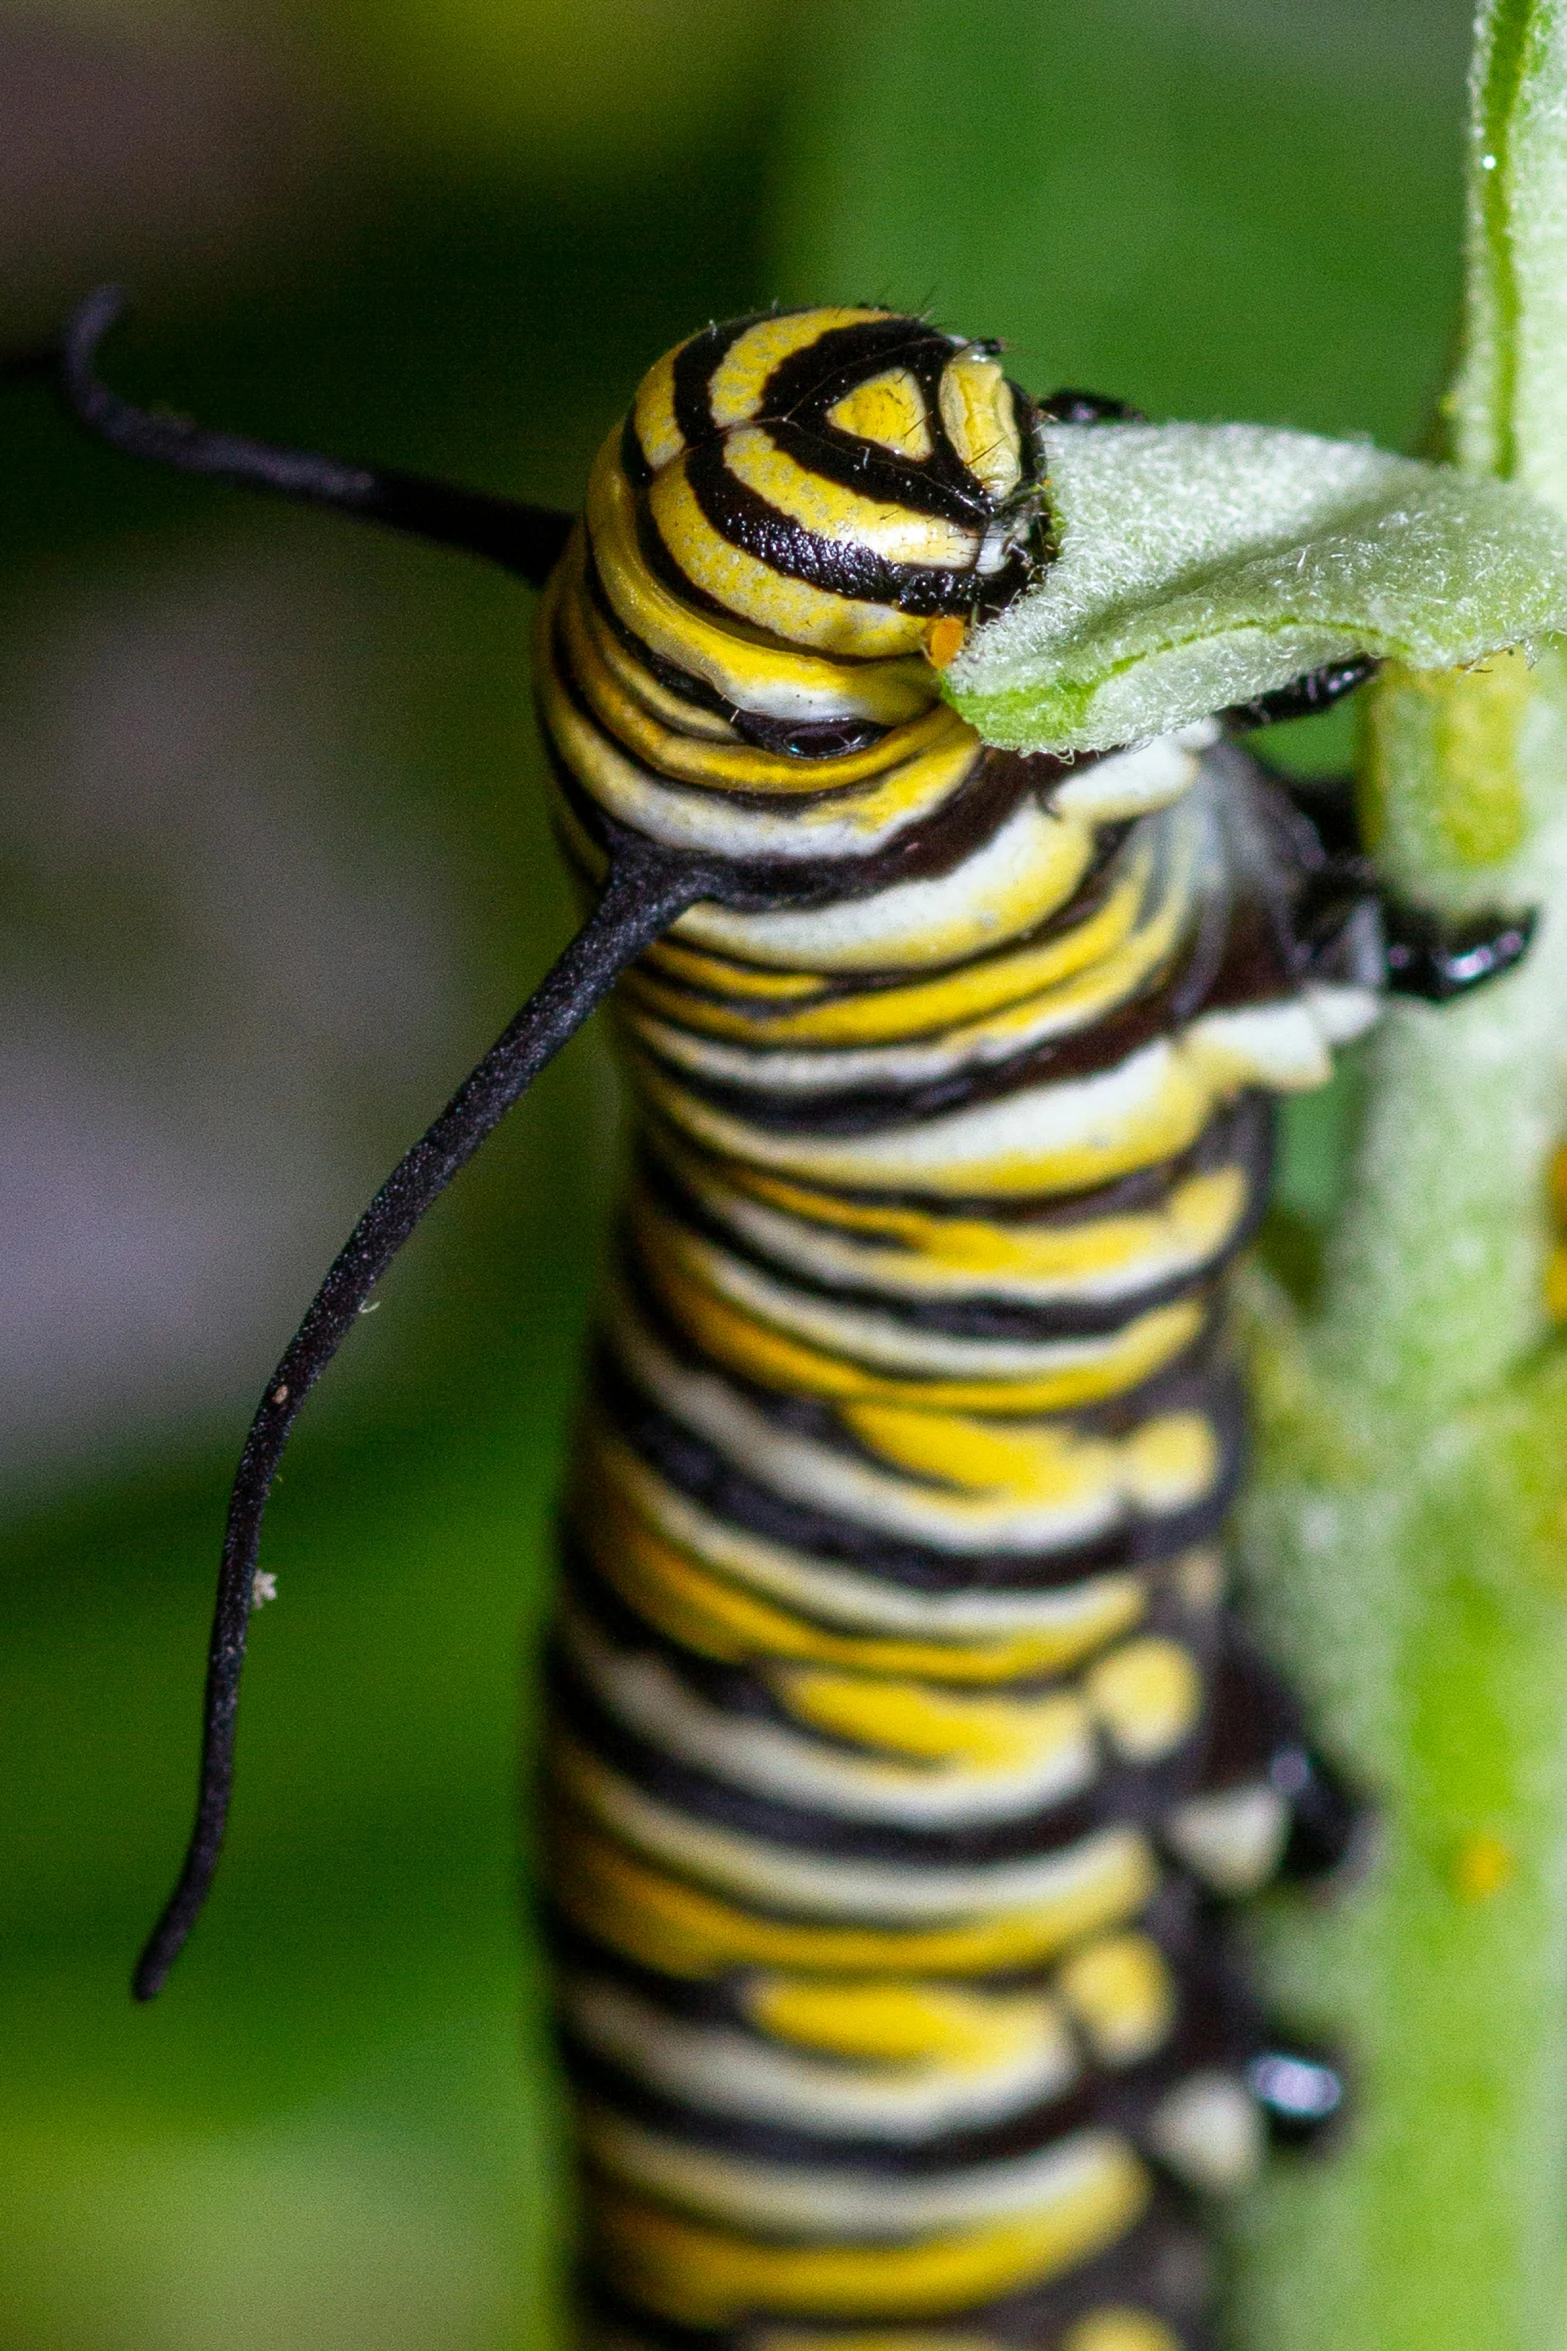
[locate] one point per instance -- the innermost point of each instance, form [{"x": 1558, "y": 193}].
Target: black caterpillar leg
[
  {"x": 1351, "y": 926},
  {"x": 1302, "y": 2092},
  {"x": 1306, "y": 697},
  {"x": 1267, "y": 1803},
  {"x": 1068, "y": 405}
]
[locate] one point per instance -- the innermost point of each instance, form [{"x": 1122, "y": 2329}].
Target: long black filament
[
  {"x": 525, "y": 540},
  {"x": 644, "y": 894}
]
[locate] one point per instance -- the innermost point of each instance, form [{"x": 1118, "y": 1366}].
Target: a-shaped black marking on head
[{"x": 524, "y": 540}]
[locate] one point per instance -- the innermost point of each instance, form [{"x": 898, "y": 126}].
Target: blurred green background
[{"x": 274, "y": 872}]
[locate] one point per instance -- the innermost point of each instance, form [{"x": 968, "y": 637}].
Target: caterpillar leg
[
  {"x": 1351, "y": 924},
  {"x": 1267, "y": 1802}
]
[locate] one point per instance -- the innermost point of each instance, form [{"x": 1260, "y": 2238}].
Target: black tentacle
[
  {"x": 525, "y": 540},
  {"x": 644, "y": 895}
]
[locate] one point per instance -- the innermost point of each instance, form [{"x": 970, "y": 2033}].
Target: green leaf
[{"x": 1202, "y": 565}]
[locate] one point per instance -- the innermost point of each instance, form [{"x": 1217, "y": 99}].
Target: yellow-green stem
[{"x": 1408, "y": 1525}]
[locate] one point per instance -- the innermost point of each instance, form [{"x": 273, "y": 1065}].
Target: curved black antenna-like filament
[
  {"x": 525, "y": 540},
  {"x": 643, "y": 896}
]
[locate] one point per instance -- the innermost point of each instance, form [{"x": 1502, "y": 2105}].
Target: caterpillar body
[
  {"x": 902, "y": 1739},
  {"x": 904, "y": 1748}
]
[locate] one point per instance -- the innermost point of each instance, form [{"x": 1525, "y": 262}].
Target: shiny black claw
[
  {"x": 1070, "y": 406},
  {"x": 1301, "y": 2090},
  {"x": 1434, "y": 959},
  {"x": 1304, "y": 697}
]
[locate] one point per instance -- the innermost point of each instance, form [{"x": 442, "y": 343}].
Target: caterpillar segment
[{"x": 904, "y": 1749}]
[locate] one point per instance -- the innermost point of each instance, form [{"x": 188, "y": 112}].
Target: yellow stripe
[
  {"x": 942, "y": 760},
  {"x": 745, "y": 585},
  {"x": 980, "y": 417},
  {"x": 880, "y": 2020},
  {"x": 634, "y": 678},
  {"x": 1066, "y": 1010},
  {"x": 1171, "y": 1461},
  {"x": 733, "y": 765},
  {"x": 899, "y": 534},
  {"x": 707, "y": 2276},
  {"x": 1158, "y": 1119},
  {"x": 1202, "y": 1214},
  {"x": 739, "y": 381},
  {"x": 694, "y": 967},
  {"x": 763, "y": 1352},
  {"x": 635, "y": 1907},
  {"x": 888, "y": 409},
  {"x": 910, "y": 1719},
  {"x": 694, "y": 1605},
  {"x": 748, "y": 672},
  {"x": 654, "y": 411},
  {"x": 989, "y": 984}
]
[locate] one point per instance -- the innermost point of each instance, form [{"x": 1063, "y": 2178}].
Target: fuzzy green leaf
[{"x": 1202, "y": 565}]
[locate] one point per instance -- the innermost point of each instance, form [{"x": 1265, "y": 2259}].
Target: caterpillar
[{"x": 905, "y": 1749}]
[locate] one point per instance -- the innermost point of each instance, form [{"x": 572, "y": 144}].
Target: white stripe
[
  {"x": 1030, "y": 866},
  {"x": 850, "y": 2204},
  {"x": 869, "y": 1604},
  {"x": 847, "y": 1892},
  {"x": 774, "y": 1760},
  {"x": 879, "y": 1262},
  {"x": 863, "y": 1335},
  {"x": 725, "y": 2071},
  {"x": 1107, "y": 1492}
]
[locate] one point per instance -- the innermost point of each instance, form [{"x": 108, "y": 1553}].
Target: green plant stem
[
  {"x": 1409, "y": 1531},
  {"x": 1408, "y": 1526}
]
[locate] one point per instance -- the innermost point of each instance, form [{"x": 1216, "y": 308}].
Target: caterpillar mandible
[{"x": 905, "y": 1749}]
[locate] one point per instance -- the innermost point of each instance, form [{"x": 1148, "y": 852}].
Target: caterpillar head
[{"x": 862, "y": 455}]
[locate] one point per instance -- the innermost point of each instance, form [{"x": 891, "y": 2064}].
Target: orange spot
[
  {"x": 1484, "y": 1866},
  {"x": 944, "y": 640}
]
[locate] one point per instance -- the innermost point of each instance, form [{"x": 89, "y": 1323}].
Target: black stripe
[
  {"x": 840, "y": 567},
  {"x": 1099, "y": 878},
  {"x": 809, "y": 382},
  {"x": 694, "y": 368},
  {"x": 825, "y": 739},
  {"x": 1236, "y": 1131},
  {"x": 633, "y": 458},
  {"x": 1162, "y": 2266},
  {"x": 1245, "y": 974},
  {"x": 1178, "y": 1385},
  {"x": 940, "y": 486},
  {"x": 706, "y": 1799},
  {"x": 698, "y": 1469},
  {"x": 980, "y": 1314},
  {"x": 912, "y": 2158},
  {"x": 971, "y": 813}
]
